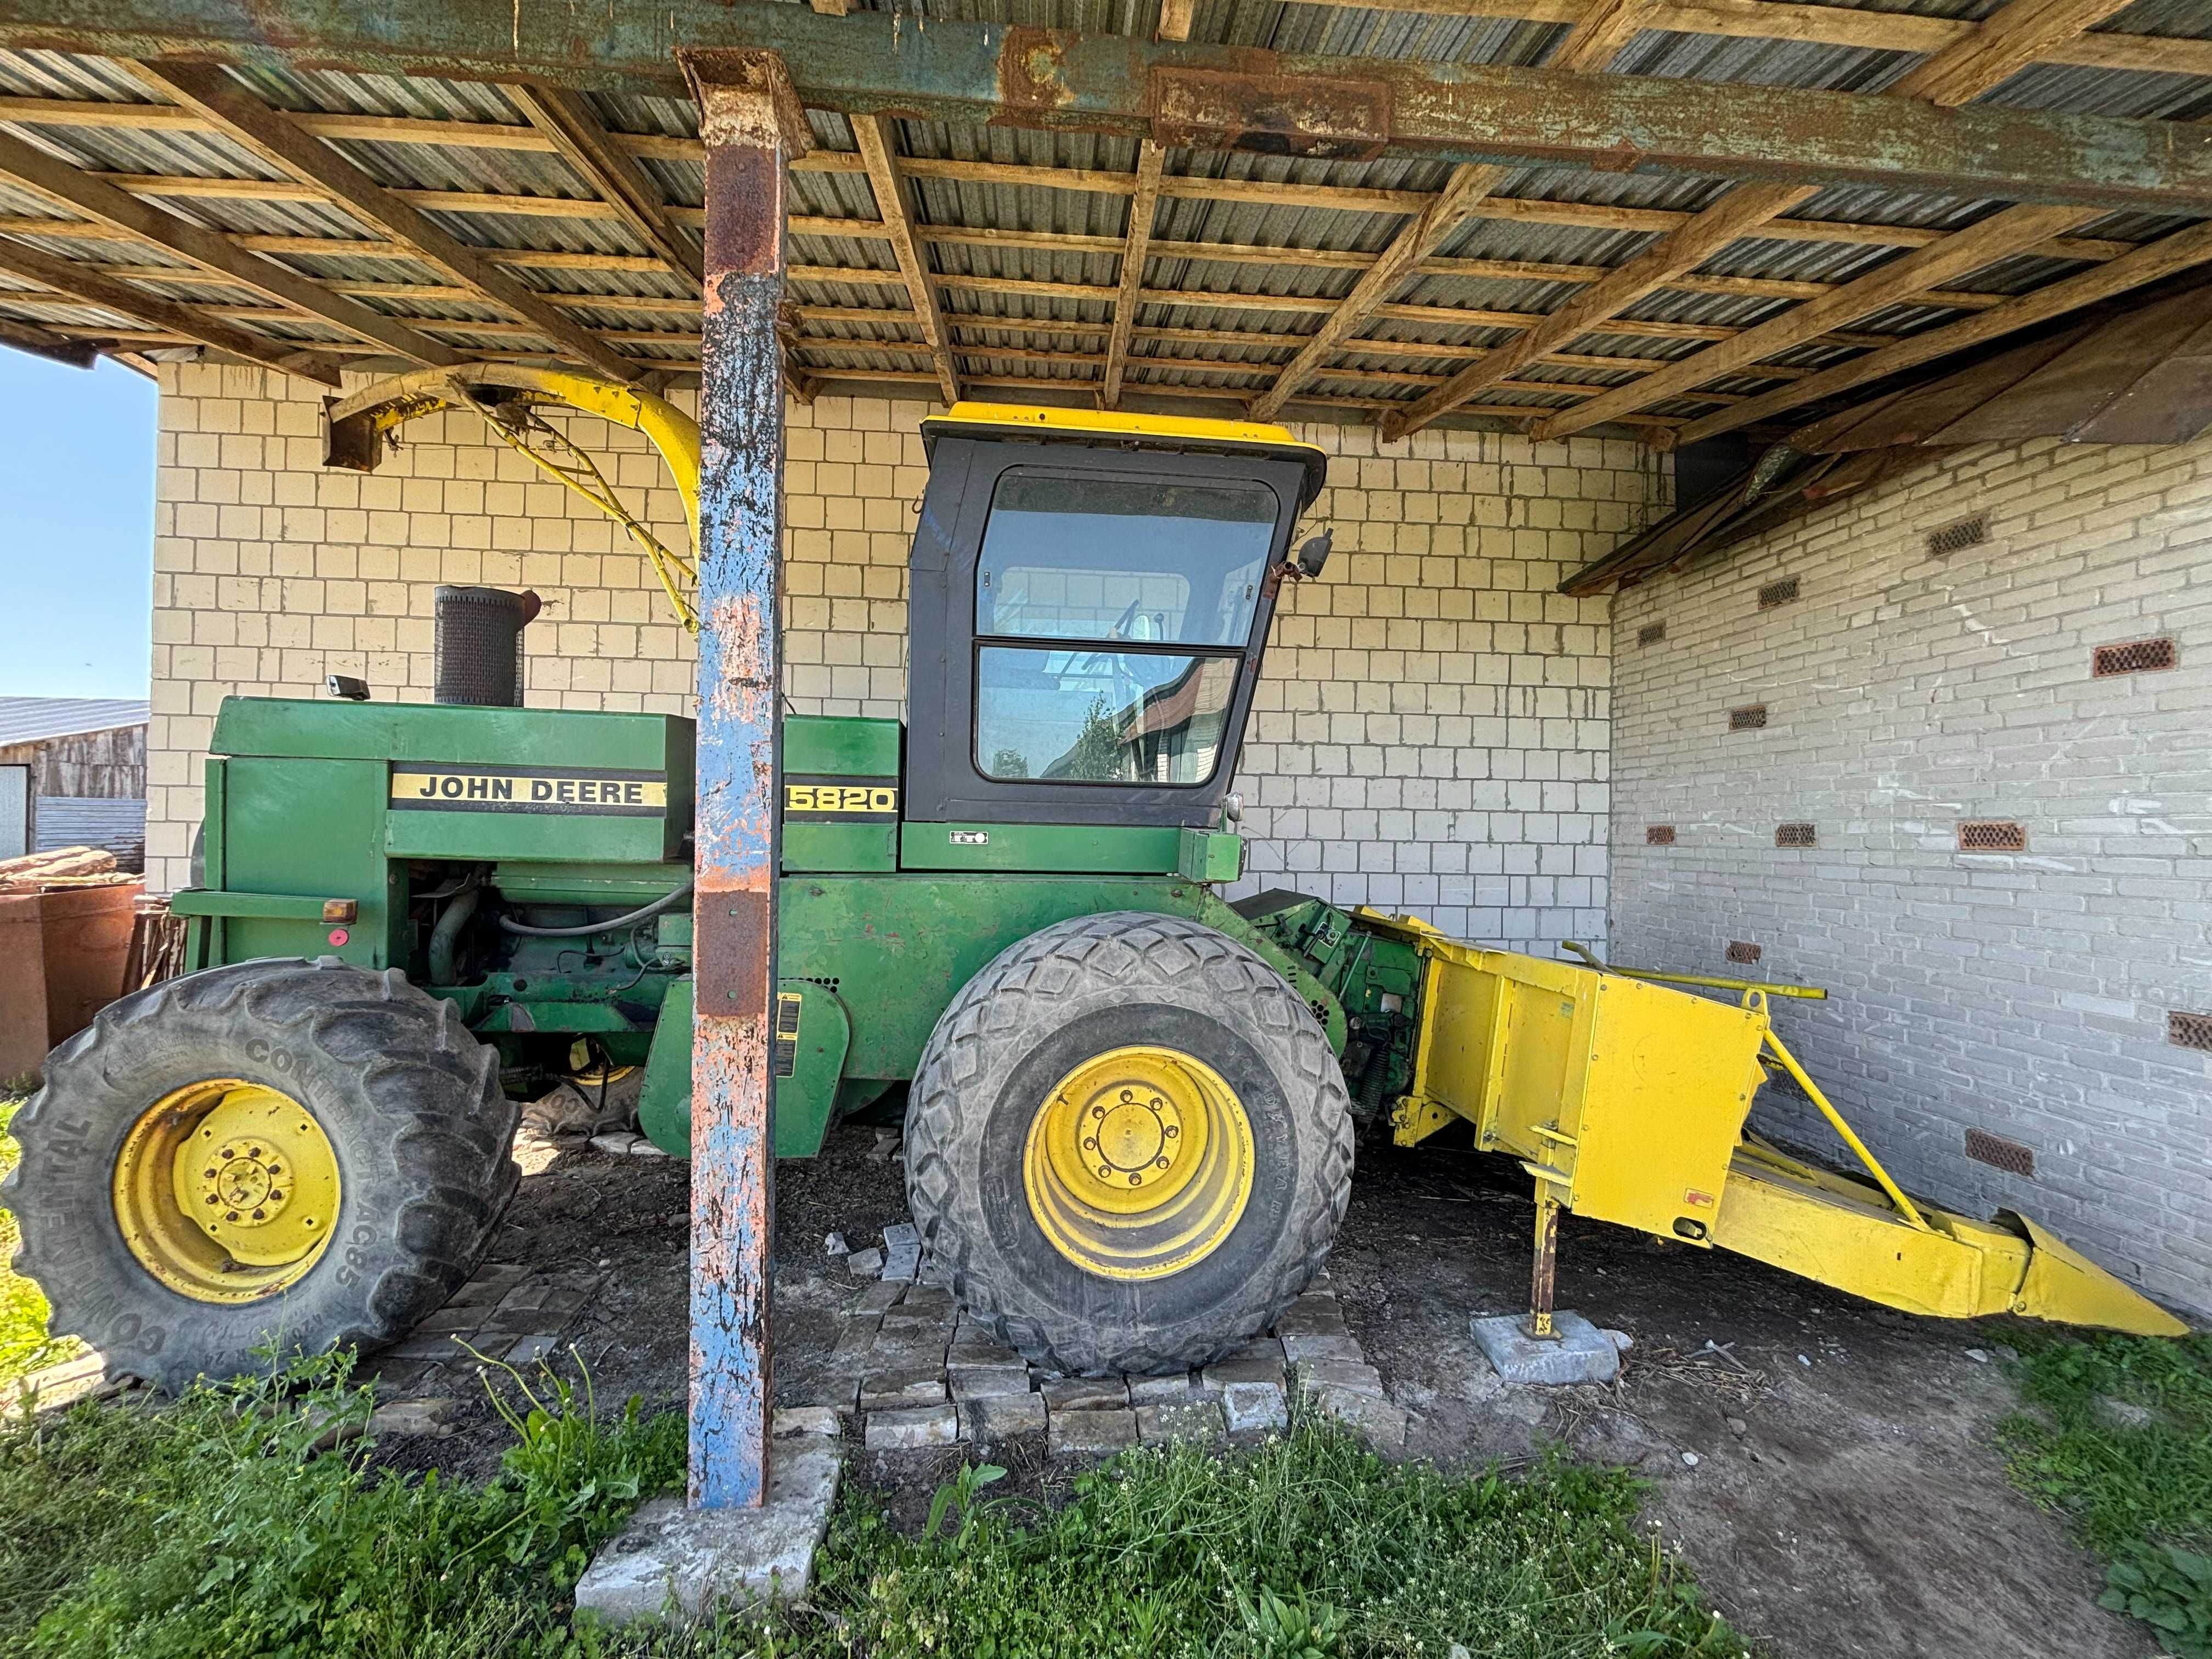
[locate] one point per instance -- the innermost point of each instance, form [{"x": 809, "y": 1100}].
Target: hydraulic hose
[{"x": 666, "y": 901}]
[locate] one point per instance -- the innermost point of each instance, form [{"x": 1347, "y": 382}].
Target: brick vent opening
[
  {"x": 2189, "y": 1030},
  {"x": 2136, "y": 657},
  {"x": 1957, "y": 537},
  {"x": 1748, "y": 720},
  {"x": 1777, "y": 593},
  {"x": 1738, "y": 950},
  {"x": 1999, "y": 1153},
  {"x": 1658, "y": 834},
  {"x": 1992, "y": 836},
  {"x": 1651, "y": 633},
  {"x": 1796, "y": 834}
]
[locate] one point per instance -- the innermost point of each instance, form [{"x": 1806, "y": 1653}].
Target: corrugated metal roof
[
  {"x": 116, "y": 825},
  {"x": 1263, "y": 228},
  {"x": 34, "y": 719}
]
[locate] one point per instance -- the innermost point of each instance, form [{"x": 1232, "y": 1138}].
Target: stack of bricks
[
  {"x": 914, "y": 1374},
  {"x": 1430, "y": 736},
  {"x": 1994, "y": 857}
]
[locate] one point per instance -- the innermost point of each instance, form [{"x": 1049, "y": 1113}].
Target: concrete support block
[
  {"x": 1198, "y": 1420},
  {"x": 670, "y": 1562},
  {"x": 1251, "y": 1406},
  {"x": 1579, "y": 1353},
  {"x": 891, "y": 1389},
  {"x": 914, "y": 1430},
  {"x": 1377, "y": 1421},
  {"x": 1098, "y": 1433},
  {"x": 1171, "y": 1390},
  {"x": 1085, "y": 1394},
  {"x": 972, "y": 1381},
  {"x": 1325, "y": 1346},
  {"x": 994, "y": 1416}
]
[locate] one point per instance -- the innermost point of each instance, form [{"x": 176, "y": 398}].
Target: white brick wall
[
  {"x": 2023, "y": 994},
  {"x": 1431, "y": 735}
]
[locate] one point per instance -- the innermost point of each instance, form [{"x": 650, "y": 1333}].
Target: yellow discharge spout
[{"x": 1627, "y": 1100}]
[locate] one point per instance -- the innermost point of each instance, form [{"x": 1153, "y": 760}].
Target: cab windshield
[{"x": 1111, "y": 617}]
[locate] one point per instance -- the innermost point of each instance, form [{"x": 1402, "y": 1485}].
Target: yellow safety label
[{"x": 418, "y": 785}]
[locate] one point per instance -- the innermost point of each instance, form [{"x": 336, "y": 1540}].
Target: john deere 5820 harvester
[{"x": 1130, "y": 1121}]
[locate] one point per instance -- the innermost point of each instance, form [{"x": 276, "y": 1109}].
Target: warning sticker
[
  {"x": 424, "y": 786},
  {"x": 783, "y": 1051}
]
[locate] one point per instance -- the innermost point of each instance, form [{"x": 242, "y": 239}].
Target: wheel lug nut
[
  {"x": 230, "y": 1215},
  {"x": 1105, "y": 1172},
  {"x": 261, "y": 1215},
  {"x": 1160, "y": 1163},
  {"x": 1126, "y": 1096},
  {"x": 212, "y": 1199},
  {"x": 210, "y": 1175},
  {"x": 1090, "y": 1143},
  {"x": 1098, "y": 1111},
  {"x": 1171, "y": 1132},
  {"x": 1136, "y": 1181}
]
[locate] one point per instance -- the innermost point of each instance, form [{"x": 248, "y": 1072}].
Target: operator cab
[{"x": 1089, "y": 598}]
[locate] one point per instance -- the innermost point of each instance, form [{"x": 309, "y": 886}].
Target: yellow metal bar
[
  {"x": 1808, "y": 992},
  {"x": 1904, "y": 1205}
]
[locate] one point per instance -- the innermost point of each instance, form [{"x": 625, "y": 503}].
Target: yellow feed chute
[
  {"x": 1626, "y": 1102},
  {"x": 363, "y": 427}
]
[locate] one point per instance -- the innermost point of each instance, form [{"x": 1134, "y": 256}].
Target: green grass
[
  {"x": 208, "y": 1528},
  {"x": 2137, "y": 1483},
  {"x": 24, "y": 1345}
]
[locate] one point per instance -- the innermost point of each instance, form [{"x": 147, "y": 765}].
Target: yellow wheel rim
[
  {"x": 227, "y": 1191},
  {"x": 1139, "y": 1163}
]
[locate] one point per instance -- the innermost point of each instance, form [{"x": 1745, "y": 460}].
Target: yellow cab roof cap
[{"x": 1174, "y": 432}]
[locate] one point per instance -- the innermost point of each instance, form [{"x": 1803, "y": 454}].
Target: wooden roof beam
[
  {"x": 1740, "y": 211},
  {"x": 1242, "y": 97},
  {"x": 277, "y": 140},
  {"x": 85, "y": 194},
  {"x": 44, "y": 342},
  {"x": 1993, "y": 238},
  {"x": 2001, "y": 46},
  {"x": 1152, "y": 160},
  {"x": 2150, "y": 264},
  {"x": 895, "y": 208},
  {"x": 565, "y": 118},
  {"x": 1595, "y": 39},
  {"x": 1461, "y": 196},
  {"x": 84, "y": 284}
]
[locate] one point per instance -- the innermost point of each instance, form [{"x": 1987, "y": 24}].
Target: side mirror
[
  {"x": 346, "y": 686},
  {"x": 1314, "y": 553}
]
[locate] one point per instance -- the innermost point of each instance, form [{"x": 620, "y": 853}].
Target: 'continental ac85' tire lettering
[
  {"x": 1052, "y": 1010},
  {"x": 410, "y": 1102}
]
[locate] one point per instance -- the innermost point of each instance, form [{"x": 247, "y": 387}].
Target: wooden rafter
[
  {"x": 1135, "y": 250},
  {"x": 2151, "y": 262},
  {"x": 41, "y": 341},
  {"x": 85, "y": 284},
  {"x": 1997, "y": 236},
  {"x": 271, "y": 135},
  {"x": 1740, "y": 211},
  {"x": 1462, "y": 195},
  {"x": 1597, "y": 36},
  {"x": 895, "y": 206},
  {"x": 2001, "y": 46},
  {"x": 564, "y": 116},
  {"x": 86, "y": 193}
]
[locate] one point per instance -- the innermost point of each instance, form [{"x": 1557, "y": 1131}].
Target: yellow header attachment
[{"x": 1175, "y": 432}]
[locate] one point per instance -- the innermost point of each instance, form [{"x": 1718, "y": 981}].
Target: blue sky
[{"x": 77, "y": 528}]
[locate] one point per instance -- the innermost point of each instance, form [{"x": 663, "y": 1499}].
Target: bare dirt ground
[{"x": 1832, "y": 1474}]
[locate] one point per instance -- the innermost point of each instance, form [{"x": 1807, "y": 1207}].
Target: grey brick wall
[
  {"x": 1431, "y": 734},
  {"x": 2025, "y": 995}
]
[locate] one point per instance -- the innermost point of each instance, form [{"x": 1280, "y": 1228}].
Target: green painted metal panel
[
  {"x": 308, "y": 826},
  {"x": 337, "y": 730},
  {"x": 841, "y": 745},
  {"x": 852, "y": 848},
  {"x": 588, "y": 884},
  {"x": 1210, "y": 856},
  {"x": 664, "y": 1105},
  {"x": 899, "y": 948},
  {"x": 1078, "y": 850}
]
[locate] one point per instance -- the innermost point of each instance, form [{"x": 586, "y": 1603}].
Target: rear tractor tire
[
  {"x": 1129, "y": 1144},
  {"x": 275, "y": 1154}
]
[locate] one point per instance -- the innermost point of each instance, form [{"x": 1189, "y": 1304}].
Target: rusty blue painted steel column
[{"x": 752, "y": 123}]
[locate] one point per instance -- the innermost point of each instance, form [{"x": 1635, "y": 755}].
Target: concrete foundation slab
[
  {"x": 675, "y": 1562},
  {"x": 1580, "y": 1353}
]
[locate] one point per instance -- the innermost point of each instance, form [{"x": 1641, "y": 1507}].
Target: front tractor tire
[
  {"x": 278, "y": 1154},
  {"x": 1129, "y": 1145}
]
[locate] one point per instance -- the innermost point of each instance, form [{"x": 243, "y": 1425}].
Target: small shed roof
[
  {"x": 1673, "y": 215},
  {"x": 35, "y": 719}
]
